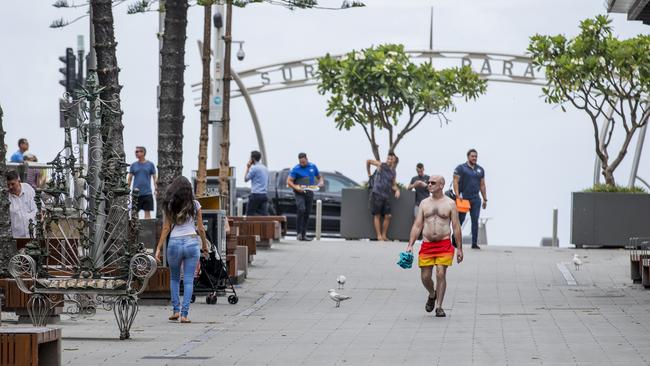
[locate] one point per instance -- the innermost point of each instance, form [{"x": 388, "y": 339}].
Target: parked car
[{"x": 281, "y": 200}]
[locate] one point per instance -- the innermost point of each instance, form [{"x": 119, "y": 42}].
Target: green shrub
[{"x": 615, "y": 189}]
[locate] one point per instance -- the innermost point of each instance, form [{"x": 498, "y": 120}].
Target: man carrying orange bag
[{"x": 469, "y": 180}]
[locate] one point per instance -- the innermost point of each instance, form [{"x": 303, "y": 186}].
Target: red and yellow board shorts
[{"x": 436, "y": 253}]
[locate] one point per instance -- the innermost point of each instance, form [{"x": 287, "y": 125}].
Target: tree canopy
[
  {"x": 381, "y": 89},
  {"x": 598, "y": 73}
]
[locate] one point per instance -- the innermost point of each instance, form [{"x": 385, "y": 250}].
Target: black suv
[{"x": 281, "y": 199}]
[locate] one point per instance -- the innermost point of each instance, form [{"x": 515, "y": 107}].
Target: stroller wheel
[
  {"x": 211, "y": 299},
  {"x": 193, "y": 299},
  {"x": 233, "y": 299}
]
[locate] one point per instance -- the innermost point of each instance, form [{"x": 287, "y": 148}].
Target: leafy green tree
[
  {"x": 381, "y": 89},
  {"x": 596, "y": 72}
]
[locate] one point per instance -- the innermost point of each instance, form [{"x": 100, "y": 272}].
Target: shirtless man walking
[{"x": 433, "y": 220}]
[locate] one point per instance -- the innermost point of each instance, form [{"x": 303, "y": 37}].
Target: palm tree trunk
[
  {"x": 170, "y": 114},
  {"x": 111, "y": 116},
  {"x": 108, "y": 72},
  {"x": 205, "y": 103},
  {"x": 7, "y": 243},
  {"x": 224, "y": 166}
]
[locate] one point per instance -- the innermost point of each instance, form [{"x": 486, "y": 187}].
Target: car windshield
[{"x": 335, "y": 184}]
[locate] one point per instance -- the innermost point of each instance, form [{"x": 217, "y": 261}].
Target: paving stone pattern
[{"x": 505, "y": 306}]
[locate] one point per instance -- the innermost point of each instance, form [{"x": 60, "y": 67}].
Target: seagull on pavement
[
  {"x": 577, "y": 262},
  {"x": 341, "y": 281},
  {"x": 337, "y": 297}
]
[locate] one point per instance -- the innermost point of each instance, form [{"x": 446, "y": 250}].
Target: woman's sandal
[
  {"x": 175, "y": 316},
  {"x": 185, "y": 320},
  {"x": 440, "y": 313}
]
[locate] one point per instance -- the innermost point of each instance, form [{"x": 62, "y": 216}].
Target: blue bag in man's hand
[{"x": 405, "y": 260}]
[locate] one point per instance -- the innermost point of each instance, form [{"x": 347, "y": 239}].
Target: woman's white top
[{"x": 189, "y": 227}]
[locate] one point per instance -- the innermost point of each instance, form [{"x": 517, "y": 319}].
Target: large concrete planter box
[
  {"x": 608, "y": 219},
  {"x": 356, "y": 220}
]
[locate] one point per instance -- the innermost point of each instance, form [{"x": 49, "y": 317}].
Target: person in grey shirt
[
  {"x": 419, "y": 183},
  {"x": 257, "y": 173},
  {"x": 384, "y": 184}
]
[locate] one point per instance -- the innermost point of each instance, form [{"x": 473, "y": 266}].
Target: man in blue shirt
[
  {"x": 259, "y": 177},
  {"x": 23, "y": 145},
  {"x": 302, "y": 179},
  {"x": 143, "y": 170},
  {"x": 469, "y": 180}
]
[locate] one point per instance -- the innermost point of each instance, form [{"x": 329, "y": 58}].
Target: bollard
[
  {"x": 554, "y": 241},
  {"x": 319, "y": 218},
  {"x": 240, "y": 207},
  {"x": 482, "y": 232}
]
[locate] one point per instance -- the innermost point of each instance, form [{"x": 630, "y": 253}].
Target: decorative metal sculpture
[{"x": 85, "y": 245}]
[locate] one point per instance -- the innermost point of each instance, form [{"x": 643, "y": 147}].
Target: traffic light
[{"x": 69, "y": 78}]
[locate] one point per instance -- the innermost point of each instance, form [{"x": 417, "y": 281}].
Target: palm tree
[
  {"x": 111, "y": 115},
  {"x": 170, "y": 113},
  {"x": 7, "y": 243}
]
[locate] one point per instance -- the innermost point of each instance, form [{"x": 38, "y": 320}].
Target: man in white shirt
[{"x": 22, "y": 207}]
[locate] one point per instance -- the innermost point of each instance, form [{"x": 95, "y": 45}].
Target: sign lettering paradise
[
  {"x": 513, "y": 69},
  {"x": 494, "y": 67}
]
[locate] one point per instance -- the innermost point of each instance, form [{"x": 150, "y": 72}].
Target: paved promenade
[{"x": 505, "y": 306}]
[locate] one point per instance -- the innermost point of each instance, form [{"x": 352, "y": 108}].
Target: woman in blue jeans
[{"x": 181, "y": 213}]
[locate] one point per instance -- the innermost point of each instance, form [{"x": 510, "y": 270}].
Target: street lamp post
[{"x": 216, "y": 97}]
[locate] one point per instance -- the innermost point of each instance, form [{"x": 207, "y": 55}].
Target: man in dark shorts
[
  {"x": 419, "y": 183},
  {"x": 143, "y": 170},
  {"x": 384, "y": 184},
  {"x": 469, "y": 180},
  {"x": 433, "y": 220},
  {"x": 303, "y": 179}
]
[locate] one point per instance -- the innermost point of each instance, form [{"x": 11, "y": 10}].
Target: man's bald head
[{"x": 436, "y": 183}]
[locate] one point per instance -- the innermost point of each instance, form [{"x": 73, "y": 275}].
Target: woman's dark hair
[{"x": 178, "y": 202}]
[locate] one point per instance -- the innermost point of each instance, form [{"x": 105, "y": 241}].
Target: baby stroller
[{"x": 213, "y": 277}]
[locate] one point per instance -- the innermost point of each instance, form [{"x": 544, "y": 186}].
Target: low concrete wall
[
  {"x": 608, "y": 219},
  {"x": 356, "y": 220}
]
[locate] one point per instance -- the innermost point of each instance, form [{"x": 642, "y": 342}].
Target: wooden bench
[
  {"x": 16, "y": 301},
  {"x": 281, "y": 219},
  {"x": 267, "y": 231},
  {"x": 249, "y": 241},
  {"x": 30, "y": 346},
  {"x": 158, "y": 285}
]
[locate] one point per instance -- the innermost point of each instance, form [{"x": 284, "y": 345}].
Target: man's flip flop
[
  {"x": 431, "y": 303},
  {"x": 440, "y": 313}
]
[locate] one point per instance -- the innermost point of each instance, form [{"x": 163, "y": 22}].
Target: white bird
[
  {"x": 577, "y": 262},
  {"x": 341, "y": 281},
  {"x": 337, "y": 297}
]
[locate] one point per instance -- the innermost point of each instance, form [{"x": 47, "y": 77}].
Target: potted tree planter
[
  {"x": 608, "y": 219},
  {"x": 609, "y": 79}
]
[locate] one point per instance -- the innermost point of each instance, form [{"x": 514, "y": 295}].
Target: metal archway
[{"x": 493, "y": 67}]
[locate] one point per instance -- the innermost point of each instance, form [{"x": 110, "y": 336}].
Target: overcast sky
[{"x": 534, "y": 155}]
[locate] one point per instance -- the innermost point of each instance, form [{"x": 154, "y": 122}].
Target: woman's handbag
[{"x": 462, "y": 205}]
